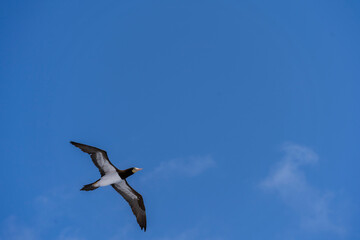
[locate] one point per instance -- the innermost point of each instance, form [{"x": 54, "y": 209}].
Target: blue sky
[{"x": 243, "y": 114}]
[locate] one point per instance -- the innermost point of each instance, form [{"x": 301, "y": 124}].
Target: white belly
[{"x": 108, "y": 179}]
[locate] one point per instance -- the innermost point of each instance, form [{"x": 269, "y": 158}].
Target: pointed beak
[{"x": 137, "y": 169}]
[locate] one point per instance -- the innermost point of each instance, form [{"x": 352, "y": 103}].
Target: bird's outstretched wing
[
  {"x": 135, "y": 201},
  {"x": 98, "y": 156}
]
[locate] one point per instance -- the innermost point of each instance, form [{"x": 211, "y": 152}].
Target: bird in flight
[{"x": 110, "y": 175}]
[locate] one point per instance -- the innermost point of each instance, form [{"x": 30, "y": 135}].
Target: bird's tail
[{"x": 89, "y": 187}]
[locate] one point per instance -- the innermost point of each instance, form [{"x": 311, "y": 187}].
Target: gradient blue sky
[{"x": 243, "y": 114}]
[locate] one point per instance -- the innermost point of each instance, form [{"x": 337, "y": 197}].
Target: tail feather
[{"x": 88, "y": 187}]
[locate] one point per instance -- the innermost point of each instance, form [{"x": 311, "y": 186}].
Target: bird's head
[{"x": 128, "y": 172}]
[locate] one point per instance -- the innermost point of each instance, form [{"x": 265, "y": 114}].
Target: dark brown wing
[
  {"x": 98, "y": 156},
  {"x": 135, "y": 201}
]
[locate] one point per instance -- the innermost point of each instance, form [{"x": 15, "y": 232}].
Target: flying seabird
[{"x": 110, "y": 175}]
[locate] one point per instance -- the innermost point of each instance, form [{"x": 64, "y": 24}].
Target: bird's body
[
  {"x": 108, "y": 179},
  {"x": 110, "y": 175}
]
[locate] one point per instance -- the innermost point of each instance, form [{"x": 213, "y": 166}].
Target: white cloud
[
  {"x": 13, "y": 229},
  {"x": 126, "y": 232},
  {"x": 68, "y": 234},
  {"x": 46, "y": 206},
  {"x": 188, "y": 167},
  {"x": 316, "y": 209},
  {"x": 190, "y": 234}
]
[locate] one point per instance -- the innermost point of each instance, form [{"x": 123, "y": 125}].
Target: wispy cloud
[
  {"x": 41, "y": 223},
  {"x": 68, "y": 234},
  {"x": 13, "y": 229},
  {"x": 188, "y": 167},
  {"x": 188, "y": 234},
  {"x": 316, "y": 209}
]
